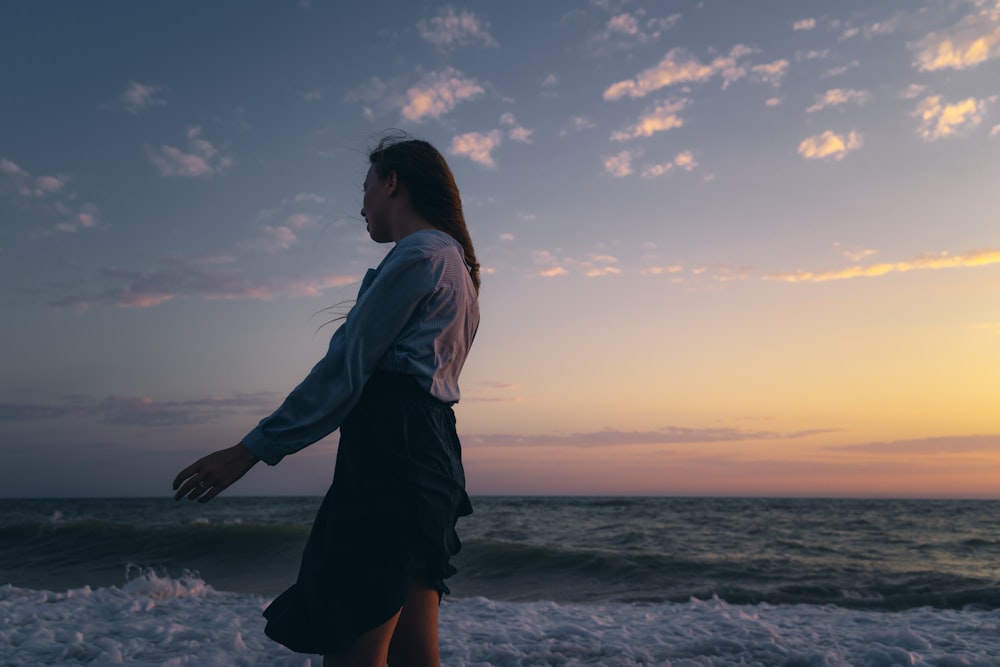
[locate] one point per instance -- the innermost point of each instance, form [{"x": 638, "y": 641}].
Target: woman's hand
[{"x": 210, "y": 475}]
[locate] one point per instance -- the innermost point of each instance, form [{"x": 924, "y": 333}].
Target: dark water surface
[{"x": 877, "y": 554}]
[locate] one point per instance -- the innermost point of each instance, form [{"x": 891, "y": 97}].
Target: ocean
[{"x": 682, "y": 582}]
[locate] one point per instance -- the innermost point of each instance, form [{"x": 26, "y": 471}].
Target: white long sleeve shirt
[{"x": 417, "y": 313}]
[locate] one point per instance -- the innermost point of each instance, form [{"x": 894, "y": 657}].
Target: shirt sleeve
[{"x": 320, "y": 403}]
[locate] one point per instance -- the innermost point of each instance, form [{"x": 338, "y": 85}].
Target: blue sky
[{"x": 728, "y": 247}]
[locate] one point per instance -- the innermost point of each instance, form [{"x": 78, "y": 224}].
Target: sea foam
[{"x": 171, "y": 622}]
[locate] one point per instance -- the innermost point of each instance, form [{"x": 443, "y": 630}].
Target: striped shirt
[{"x": 417, "y": 313}]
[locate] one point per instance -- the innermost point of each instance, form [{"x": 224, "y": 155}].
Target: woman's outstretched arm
[{"x": 210, "y": 475}]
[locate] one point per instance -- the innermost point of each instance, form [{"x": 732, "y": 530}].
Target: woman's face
[{"x": 374, "y": 207}]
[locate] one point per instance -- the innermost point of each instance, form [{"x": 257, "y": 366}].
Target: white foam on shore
[{"x": 175, "y": 622}]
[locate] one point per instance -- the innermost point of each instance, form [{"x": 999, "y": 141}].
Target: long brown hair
[{"x": 431, "y": 187}]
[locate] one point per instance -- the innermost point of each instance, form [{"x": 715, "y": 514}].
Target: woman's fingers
[{"x": 210, "y": 475}]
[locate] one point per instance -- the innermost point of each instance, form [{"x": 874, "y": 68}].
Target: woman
[{"x": 373, "y": 571}]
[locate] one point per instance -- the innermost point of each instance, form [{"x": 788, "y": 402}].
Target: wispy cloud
[
  {"x": 955, "y": 444},
  {"x": 438, "y": 93},
  {"x": 830, "y": 144},
  {"x": 577, "y": 124},
  {"x": 515, "y": 131},
  {"x": 617, "y": 438},
  {"x": 199, "y": 159},
  {"x": 804, "y": 24},
  {"x": 138, "y": 410},
  {"x": 548, "y": 265},
  {"x": 49, "y": 194},
  {"x": 208, "y": 281},
  {"x": 284, "y": 236},
  {"x": 970, "y": 42},
  {"x": 598, "y": 266},
  {"x": 679, "y": 66},
  {"x": 848, "y": 34},
  {"x": 840, "y": 69},
  {"x": 477, "y": 146},
  {"x": 450, "y": 29},
  {"x": 938, "y": 119},
  {"x": 660, "y": 118},
  {"x": 662, "y": 269},
  {"x": 138, "y": 96},
  {"x": 855, "y": 254},
  {"x": 838, "y": 96},
  {"x": 684, "y": 160},
  {"x": 771, "y": 73},
  {"x": 927, "y": 262},
  {"x": 22, "y": 183},
  {"x": 636, "y": 27},
  {"x": 86, "y": 218},
  {"x": 620, "y": 164}
]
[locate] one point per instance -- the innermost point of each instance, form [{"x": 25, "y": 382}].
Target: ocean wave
[
  {"x": 185, "y": 621},
  {"x": 517, "y": 571}
]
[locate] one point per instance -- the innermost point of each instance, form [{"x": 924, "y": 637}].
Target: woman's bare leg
[
  {"x": 369, "y": 650},
  {"x": 415, "y": 640}
]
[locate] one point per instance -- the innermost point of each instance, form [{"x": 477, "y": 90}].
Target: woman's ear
[{"x": 392, "y": 183}]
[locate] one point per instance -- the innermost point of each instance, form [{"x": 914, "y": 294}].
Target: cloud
[
  {"x": 615, "y": 438},
  {"x": 48, "y": 194},
  {"x": 438, "y": 93},
  {"x": 927, "y": 262},
  {"x": 549, "y": 265},
  {"x": 772, "y": 101},
  {"x": 206, "y": 280},
  {"x": 597, "y": 266},
  {"x": 86, "y": 219},
  {"x": 276, "y": 237},
  {"x": 995, "y": 132},
  {"x": 658, "y": 270},
  {"x": 804, "y": 24},
  {"x": 634, "y": 26},
  {"x": 477, "y": 146},
  {"x": 515, "y": 131},
  {"x": 955, "y": 444},
  {"x": 619, "y": 165},
  {"x": 18, "y": 181},
  {"x": 200, "y": 159},
  {"x": 970, "y": 42},
  {"x": 913, "y": 91},
  {"x": 577, "y": 124},
  {"x": 830, "y": 144},
  {"x": 661, "y": 118},
  {"x": 838, "y": 96},
  {"x": 679, "y": 66},
  {"x": 684, "y": 160},
  {"x": 856, "y": 254},
  {"x": 655, "y": 170},
  {"x": 938, "y": 119},
  {"x": 451, "y": 29},
  {"x": 841, "y": 69},
  {"x": 771, "y": 73},
  {"x": 140, "y": 411},
  {"x": 137, "y": 97},
  {"x": 811, "y": 54}
]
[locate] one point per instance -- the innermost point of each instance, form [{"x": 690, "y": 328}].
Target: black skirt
[{"x": 389, "y": 517}]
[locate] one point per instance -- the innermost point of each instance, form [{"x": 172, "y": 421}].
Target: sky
[{"x": 729, "y": 248}]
